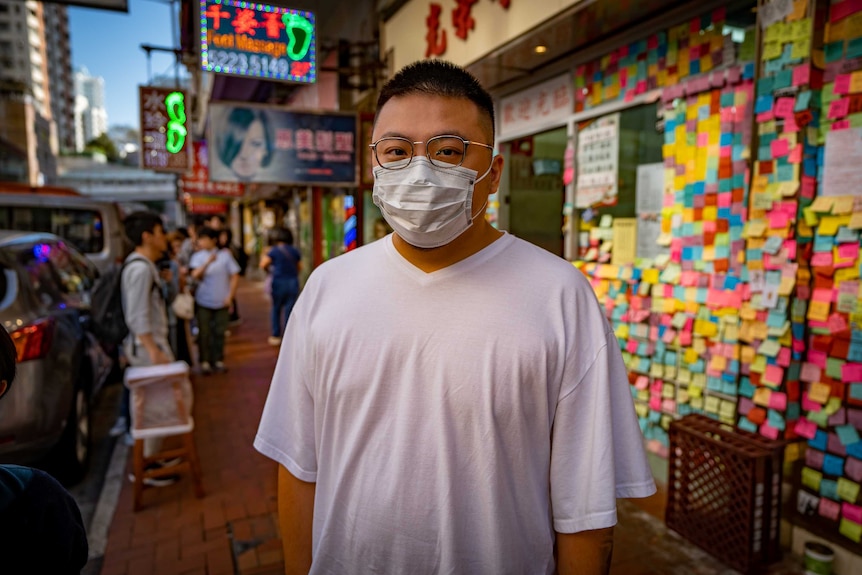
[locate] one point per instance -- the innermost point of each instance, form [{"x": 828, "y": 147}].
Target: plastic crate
[{"x": 724, "y": 491}]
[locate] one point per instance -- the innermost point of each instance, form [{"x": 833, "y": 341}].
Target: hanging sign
[
  {"x": 548, "y": 104},
  {"x": 165, "y": 141},
  {"x": 197, "y": 181},
  {"x": 248, "y": 39},
  {"x": 598, "y": 159}
]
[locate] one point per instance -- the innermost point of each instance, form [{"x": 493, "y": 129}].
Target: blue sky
[{"x": 108, "y": 44}]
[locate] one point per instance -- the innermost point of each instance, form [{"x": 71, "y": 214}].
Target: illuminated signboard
[
  {"x": 249, "y": 39},
  {"x": 197, "y": 181},
  {"x": 165, "y": 140},
  {"x": 269, "y": 144}
]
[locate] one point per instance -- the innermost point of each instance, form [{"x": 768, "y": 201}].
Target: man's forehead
[{"x": 453, "y": 115}]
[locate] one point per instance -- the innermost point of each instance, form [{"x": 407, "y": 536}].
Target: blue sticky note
[
  {"x": 792, "y": 411},
  {"x": 763, "y": 104},
  {"x": 833, "y": 465},
  {"x": 783, "y": 79},
  {"x": 820, "y": 441},
  {"x": 854, "y": 48},
  {"x": 854, "y": 354},
  {"x": 747, "y": 425},
  {"x": 834, "y": 51},
  {"x": 847, "y": 434},
  {"x": 775, "y": 420},
  {"x": 764, "y": 86},
  {"x": 802, "y": 101},
  {"x": 748, "y": 71},
  {"x": 745, "y": 388},
  {"x": 855, "y": 450},
  {"x": 829, "y": 488},
  {"x": 785, "y": 173}
]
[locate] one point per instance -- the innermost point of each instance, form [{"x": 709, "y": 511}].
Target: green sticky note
[
  {"x": 855, "y": 120},
  {"x": 782, "y": 80},
  {"x": 850, "y": 530},
  {"x": 821, "y": 418},
  {"x": 854, "y": 48},
  {"x": 832, "y": 406},
  {"x": 848, "y": 490},
  {"x": 847, "y": 434},
  {"x": 833, "y": 367},
  {"x": 834, "y": 51},
  {"x": 801, "y": 49},
  {"x": 811, "y": 478}
]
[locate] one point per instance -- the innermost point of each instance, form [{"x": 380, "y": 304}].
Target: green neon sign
[
  {"x": 292, "y": 23},
  {"x": 176, "y": 132}
]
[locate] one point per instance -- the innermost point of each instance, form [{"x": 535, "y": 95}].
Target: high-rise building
[
  {"x": 34, "y": 50},
  {"x": 91, "y": 117}
]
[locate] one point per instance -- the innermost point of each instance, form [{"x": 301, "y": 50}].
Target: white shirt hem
[{"x": 269, "y": 450}]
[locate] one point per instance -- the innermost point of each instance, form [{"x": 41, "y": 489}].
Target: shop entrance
[{"x": 536, "y": 191}]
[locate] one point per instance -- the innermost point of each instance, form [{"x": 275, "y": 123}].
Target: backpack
[{"x": 106, "y": 310}]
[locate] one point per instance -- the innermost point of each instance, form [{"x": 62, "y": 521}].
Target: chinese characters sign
[
  {"x": 250, "y": 39},
  {"x": 197, "y": 181},
  {"x": 463, "y": 23},
  {"x": 164, "y": 135},
  {"x": 598, "y": 157},
  {"x": 272, "y": 145},
  {"x": 550, "y": 102}
]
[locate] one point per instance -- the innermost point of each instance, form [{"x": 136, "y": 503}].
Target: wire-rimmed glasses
[{"x": 445, "y": 151}]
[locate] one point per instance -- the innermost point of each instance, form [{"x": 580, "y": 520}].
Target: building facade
[{"x": 91, "y": 116}]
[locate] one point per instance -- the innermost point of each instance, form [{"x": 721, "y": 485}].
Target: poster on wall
[
  {"x": 268, "y": 144},
  {"x": 197, "y": 180},
  {"x": 598, "y": 159},
  {"x": 842, "y": 158}
]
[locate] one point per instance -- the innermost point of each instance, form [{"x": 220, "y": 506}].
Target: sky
[{"x": 108, "y": 44}]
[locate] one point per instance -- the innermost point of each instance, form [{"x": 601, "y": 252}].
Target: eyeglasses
[{"x": 444, "y": 151}]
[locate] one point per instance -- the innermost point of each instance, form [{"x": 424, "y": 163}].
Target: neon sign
[
  {"x": 249, "y": 39},
  {"x": 176, "y": 135}
]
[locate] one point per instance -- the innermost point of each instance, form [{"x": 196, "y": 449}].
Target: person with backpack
[
  {"x": 144, "y": 309},
  {"x": 282, "y": 261}
]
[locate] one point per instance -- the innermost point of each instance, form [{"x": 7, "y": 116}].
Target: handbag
[{"x": 184, "y": 305}]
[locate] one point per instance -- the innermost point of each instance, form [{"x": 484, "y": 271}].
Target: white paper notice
[
  {"x": 650, "y": 188},
  {"x": 842, "y": 158},
  {"x": 598, "y": 157}
]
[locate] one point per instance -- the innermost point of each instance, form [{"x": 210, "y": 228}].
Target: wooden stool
[{"x": 161, "y": 400}]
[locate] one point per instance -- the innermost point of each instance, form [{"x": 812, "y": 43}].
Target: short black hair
[
  {"x": 139, "y": 222},
  {"x": 232, "y": 135},
  {"x": 439, "y": 78},
  {"x": 282, "y": 235},
  {"x": 183, "y": 232},
  {"x": 8, "y": 358},
  {"x": 208, "y": 232}
]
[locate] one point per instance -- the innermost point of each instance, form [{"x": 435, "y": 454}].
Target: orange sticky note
[{"x": 819, "y": 392}]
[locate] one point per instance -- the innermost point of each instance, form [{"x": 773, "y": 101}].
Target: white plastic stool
[{"x": 160, "y": 405}]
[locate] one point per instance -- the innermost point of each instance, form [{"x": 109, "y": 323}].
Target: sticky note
[
  {"x": 847, "y": 434},
  {"x": 829, "y": 488},
  {"x": 847, "y": 490},
  {"x": 819, "y": 393},
  {"x": 829, "y": 509},
  {"x": 811, "y": 478},
  {"x": 839, "y": 108},
  {"x": 850, "y": 530},
  {"x": 833, "y": 465},
  {"x": 805, "y": 428}
]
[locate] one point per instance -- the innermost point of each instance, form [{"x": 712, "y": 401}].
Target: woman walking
[
  {"x": 217, "y": 276},
  {"x": 282, "y": 261}
]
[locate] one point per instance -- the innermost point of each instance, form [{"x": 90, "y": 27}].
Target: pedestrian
[
  {"x": 449, "y": 399},
  {"x": 145, "y": 311},
  {"x": 41, "y": 529},
  {"x": 178, "y": 326},
  {"x": 225, "y": 242},
  {"x": 283, "y": 263},
  {"x": 217, "y": 276}
]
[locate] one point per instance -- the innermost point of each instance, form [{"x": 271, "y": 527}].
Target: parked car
[
  {"x": 94, "y": 227},
  {"x": 45, "y": 288}
]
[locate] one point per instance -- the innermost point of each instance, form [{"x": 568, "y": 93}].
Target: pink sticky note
[
  {"x": 768, "y": 431},
  {"x": 703, "y": 139},
  {"x": 810, "y": 373},
  {"x": 668, "y": 405},
  {"x": 632, "y": 346},
  {"x": 655, "y": 403},
  {"x": 817, "y": 357},
  {"x": 823, "y": 259},
  {"x": 773, "y": 374},
  {"x": 810, "y": 405},
  {"x": 778, "y": 400},
  {"x": 766, "y": 117},
  {"x": 841, "y": 125},
  {"x": 851, "y": 512},
  {"x": 806, "y": 429},
  {"x": 784, "y": 107},
  {"x": 778, "y": 220},
  {"x": 813, "y": 458},
  {"x": 801, "y": 75},
  {"x": 745, "y": 405},
  {"x": 839, "y": 108},
  {"x": 784, "y": 356},
  {"x": 780, "y": 147},
  {"x": 790, "y": 125},
  {"x": 795, "y": 156},
  {"x": 842, "y": 84},
  {"x": 837, "y": 323},
  {"x": 829, "y": 509},
  {"x": 851, "y": 373},
  {"x": 853, "y": 469}
]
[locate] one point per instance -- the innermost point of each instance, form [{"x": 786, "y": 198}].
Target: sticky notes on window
[
  {"x": 847, "y": 434},
  {"x": 847, "y": 490},
  {"x": 805, "y": 428},
  {"x": 839, "y": 108},
  {"x": 811, "y": 478},
  {"x": 828, "y": 508},
  {"x": 819, "y": 393},
  {"x": 851, "y": 372},
  {"x": 850, "y": 530}
]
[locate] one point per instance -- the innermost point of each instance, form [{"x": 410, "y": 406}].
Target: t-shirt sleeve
[
  {"x": 287, "y": 431},
  {"x": 597, "y": 452},
  {"x": 136, "y": 284},
  {"x": 197, "y": 259},
  {"x": 233, "y": 267}
]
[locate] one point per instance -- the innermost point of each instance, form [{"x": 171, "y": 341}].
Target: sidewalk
[{"x": 233, "y": 530}]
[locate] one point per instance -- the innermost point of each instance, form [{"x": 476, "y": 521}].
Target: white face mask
[{"x": 427, "y": 206}]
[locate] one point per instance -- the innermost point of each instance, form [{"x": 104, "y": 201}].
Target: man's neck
[
  {"x": 477, "y": 237},
  {"x": 147, "y": 252}
]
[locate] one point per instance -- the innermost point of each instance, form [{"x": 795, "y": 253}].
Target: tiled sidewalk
[{"x": 233, "y": 529}]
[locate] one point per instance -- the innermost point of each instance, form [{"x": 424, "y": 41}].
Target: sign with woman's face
[{"x": 250, "y": 143}]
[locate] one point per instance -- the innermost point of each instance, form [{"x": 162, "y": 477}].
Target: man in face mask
[{"x": 449, "y": 399}]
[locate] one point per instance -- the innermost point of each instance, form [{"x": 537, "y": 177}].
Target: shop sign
[
  {"x": 463, "y": 23},
  {"x": 205, "y": 205},
  {"x": 598, "y": 159},
  {"x": 268, "y": 144},
  {"x": 248, "y": 39},
  {"x": 197, "y": 181},
  {"x": 165, "y": 140},
  {"x": 550, "y": 103}
]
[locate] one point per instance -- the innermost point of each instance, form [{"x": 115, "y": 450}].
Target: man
[
  {"x": 144, "y": 310},
  {"x": 41, "y": 530},
  {"x": 449, "y": 399}
]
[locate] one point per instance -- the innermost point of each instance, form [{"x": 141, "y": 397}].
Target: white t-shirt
[
  {"x": 214, "y": 287},
  {"x": 452, "y": 421}
]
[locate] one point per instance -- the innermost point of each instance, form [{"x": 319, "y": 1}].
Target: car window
[
  {"x": 74, "y": 274},
  {"x": 83, "y": 228},
  {"x": 40, "y": 274}
]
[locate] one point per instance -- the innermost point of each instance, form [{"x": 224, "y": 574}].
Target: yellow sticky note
[
  {"x": 811, "y": 217},
  {"x": 833, "y": 405},
  {"x": 842, "y": 205},
  {"x": 850, "y": 530},
  {"x": 819, "y": 392},
  {"x": 712, "y": 404},
  {"x": 800, "y": 7},
  {"x": 755, "y": 228},
  {"x": 811, "y": 478},
  {"x": 829, "y": 224},
  {"x": 848, "y": 490},
  {"x": 823, "y": 204},
  {"x": 818, "y": 310},
  {"x": 855, "y": 221},
  {"x": 856, "y": 82},
  {"x": 761, "y": 396}
]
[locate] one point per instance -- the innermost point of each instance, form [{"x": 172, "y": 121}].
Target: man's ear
[{"x": 496, "y": 173}]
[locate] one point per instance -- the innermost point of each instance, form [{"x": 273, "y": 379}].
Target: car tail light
[{"x": 33, "y": 341}]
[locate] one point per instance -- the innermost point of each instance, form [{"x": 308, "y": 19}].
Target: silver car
[{"x": 45, "y": 288}]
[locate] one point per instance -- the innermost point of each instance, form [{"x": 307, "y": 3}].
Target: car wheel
[{"x": 73, "y": 450}]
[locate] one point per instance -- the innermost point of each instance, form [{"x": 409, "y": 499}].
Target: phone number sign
[{"x": 249, "y": 39}]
